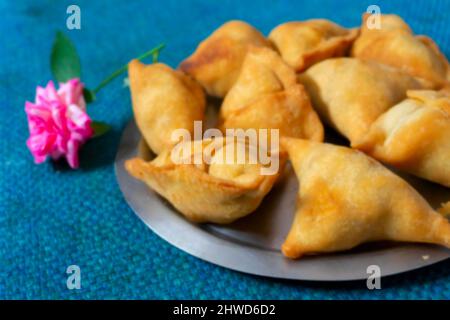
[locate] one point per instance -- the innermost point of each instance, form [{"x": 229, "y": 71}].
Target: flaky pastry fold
[
  {"x": 163, "y": 100},
  {"x": 217, "y": 61},
  {"x": 350, "y": 94},
  {"x": 266, "y": 95},
  {"x": 414, "y": 136},
  {"x": 304, "y": 43},
  {"x": 208, "y": 191},
  {"x": 395, "y": 44},
  {"x": 346, "y": 198}
]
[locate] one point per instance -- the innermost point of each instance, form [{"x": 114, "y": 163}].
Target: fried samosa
[
  {"x": 208, "y": 187},
  {"x": 350, "y": 94},
  {"x": 267, "y": 96},
  {"x": 347, "y": 198},
  {"x": 304, "y": 43},
  {"x": 414, "y": 136},
  {"x": 163, "y": 100},
  {"x": 394, "y": 44},
  {"x": 439, "y": 99},
  {"x": 263, "y": 71},
  {"x": 216, "y": 62}
]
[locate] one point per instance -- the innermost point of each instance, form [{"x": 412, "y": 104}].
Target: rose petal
[{"x": 58, "y": 122}]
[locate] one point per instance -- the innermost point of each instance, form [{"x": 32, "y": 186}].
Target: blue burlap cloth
[{"x": 52, "y": 217}]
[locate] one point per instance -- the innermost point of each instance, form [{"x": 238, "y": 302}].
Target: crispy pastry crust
[
  {"x": 267, "y": 96},
  {"x": 346, "y": 198},
  {"x": 350, "y": 94},
  {"x": 163, "y": 100},
  {"x": 414, "y": 136},
  {"x": 216, "y": 62},
  {"x": 396, "y": 45},
  {"x": 304, "y": 43},
  {"x": 219, "y": 193}
]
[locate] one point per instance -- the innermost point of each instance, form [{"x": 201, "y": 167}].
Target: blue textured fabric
[{"x": 52, "y": 217}]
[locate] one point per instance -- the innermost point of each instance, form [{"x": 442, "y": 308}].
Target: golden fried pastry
[
  {"x": 304, "y": 43},
  {"x": 438, "y": 99},
  {"x": 208, "y": 187},
  {"x": 216, "y": 62},
  {"x": 414, "y": 136},
  {"x": 394, "y": 44},
  {"x": 350, "y": 94},
  {"x": 346, "y": 198},
  {"x": 163, "y": 100},
  {"x": 289, "y": 111},
  {"x": 263, "y": 71},
  {"x": 267, "y": 96},
  {"x": 445, "y": 209}
]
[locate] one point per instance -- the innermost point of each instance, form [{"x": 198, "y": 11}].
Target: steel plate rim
[{"x": 127, "y": 149}]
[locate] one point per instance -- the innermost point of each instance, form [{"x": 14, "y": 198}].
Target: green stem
[{"x": 153, "y": 52}]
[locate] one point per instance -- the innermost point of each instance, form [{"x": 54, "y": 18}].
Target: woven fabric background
[{"x": 52, "y": 217}]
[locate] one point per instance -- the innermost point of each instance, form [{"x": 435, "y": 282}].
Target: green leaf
[
  {"x": 89, "y": 95},
  {"x": 64, "y": 60},
  {"x": 100, "y": 128}
]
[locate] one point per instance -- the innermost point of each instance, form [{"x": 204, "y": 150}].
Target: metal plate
[{"x": 252, "y": 244}]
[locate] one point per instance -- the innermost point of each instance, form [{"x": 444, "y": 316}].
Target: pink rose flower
[{"x": 58, "y": 122}]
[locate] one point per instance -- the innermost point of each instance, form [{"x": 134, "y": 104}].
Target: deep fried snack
[
  {"x": 216, "y": 62},
  {"x": 394, "y": 44},
  {"x": 304, "y": 43},
  {"x": 414, "y": 136},
  {"x": 346, "y": 198},
  {"x": 216, "y": 190},
  {"x": 350, "y": 94},
  {"x": 163, "y": 100},
  {"x": 267, "y": 96}
]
